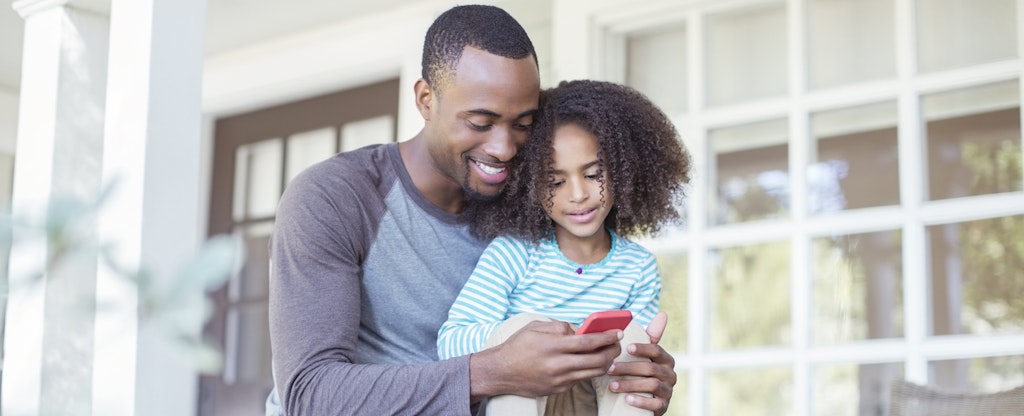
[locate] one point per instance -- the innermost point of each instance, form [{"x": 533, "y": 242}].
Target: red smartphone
[{"x": 603, "y": 321}]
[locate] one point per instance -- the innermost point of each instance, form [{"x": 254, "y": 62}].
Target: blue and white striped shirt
[{"x": 513, "y": 277}]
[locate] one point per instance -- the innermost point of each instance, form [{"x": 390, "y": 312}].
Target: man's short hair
[{"x": 483, "y": 27}]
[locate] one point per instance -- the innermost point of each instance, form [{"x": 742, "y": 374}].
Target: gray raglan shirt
[{"x": 364, "y": 270}]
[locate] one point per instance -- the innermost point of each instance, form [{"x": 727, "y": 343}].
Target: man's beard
[{"x": 472, "y": 195}]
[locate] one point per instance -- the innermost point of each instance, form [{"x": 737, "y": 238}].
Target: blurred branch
[{"x": 176, "y": 304}]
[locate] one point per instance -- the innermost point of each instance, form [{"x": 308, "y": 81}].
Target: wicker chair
[{"x": 909, "y": 399}]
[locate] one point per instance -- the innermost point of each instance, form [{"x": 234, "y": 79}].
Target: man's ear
[{"x": 424, "y": 98}]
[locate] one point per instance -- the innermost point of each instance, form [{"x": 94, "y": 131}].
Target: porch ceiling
[{"x": 229, "y": 24}]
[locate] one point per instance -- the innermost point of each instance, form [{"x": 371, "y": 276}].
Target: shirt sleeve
[
  {"x": 316, "y": 250},
  {"x": 483, "y": 303},
  {"x": 646, "y": 294}
]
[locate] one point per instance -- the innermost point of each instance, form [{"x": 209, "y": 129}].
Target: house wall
[
  {"x": 8, "y": 137},
  {"x": 8, "y": 120},
  {"x": 345, "y": 55},
  {"x": 350, "y": 53}
]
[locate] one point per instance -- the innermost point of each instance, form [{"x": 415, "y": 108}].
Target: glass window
[
  {"x": 680, "y": 404},
  {"x": 978, "y": 375},
  {"x": 363, "y": 133},
  {"x": 656, "y": 65},
  {"x": 253, "y": 280},
  {"x": 248, "y": 337},
  {"x": 857, "y": 160},
  {"x": 974, "y": 140},
  {"x": 751, "y": 392},
  {"x": 747, "y": 54},
  {"x": 857, "y": 282},
  {"x": 961, "y": 139},
  {"x": 853, "y": 389},
  {"x": 749, "y": 297},
  {"x": 976, "y": 282},
  {"x": 673, "y": 267},
  {"x": 849, "y": 41},
  {"x": 751, "y": 172},
  {"x": 258, "y": 179},
  {"x": 958, "y": 33},
  {"x": 307, "y": 148}
]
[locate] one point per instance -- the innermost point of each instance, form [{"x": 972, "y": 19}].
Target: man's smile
[{"x": 489, "y": 173}]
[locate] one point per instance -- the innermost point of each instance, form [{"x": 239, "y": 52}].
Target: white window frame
[{"x": 602, "y": 26}]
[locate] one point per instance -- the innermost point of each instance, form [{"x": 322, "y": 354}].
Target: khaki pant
[{"x": 587, "y": 397}]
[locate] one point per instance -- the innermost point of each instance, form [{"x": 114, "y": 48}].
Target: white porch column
[
  {"x": 48, "y": 342},
  {"x": 74, "y": 344},
  {"x": 152, "y": 151}
]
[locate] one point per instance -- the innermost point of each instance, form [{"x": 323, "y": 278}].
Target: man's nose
[{"x": 502, "y": 144}]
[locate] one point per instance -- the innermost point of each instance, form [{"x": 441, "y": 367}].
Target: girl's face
[{"x": 581, "y": 197}]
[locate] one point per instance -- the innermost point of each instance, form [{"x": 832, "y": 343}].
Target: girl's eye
[{"x": 555, "y": 183}]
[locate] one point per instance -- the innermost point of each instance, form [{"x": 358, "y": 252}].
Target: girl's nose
[{"x": 578, "y": 191}]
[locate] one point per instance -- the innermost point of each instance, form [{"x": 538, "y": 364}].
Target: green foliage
[
  {"x": 857, "y": 287},
  {"x": 674, "y": 268},
  {"x": 752, "y": 391},
  {"x": 993, "y": 249},
  {"x": 750, "y": 297}
]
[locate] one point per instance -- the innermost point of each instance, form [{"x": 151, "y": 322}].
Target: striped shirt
[{"x": 513, "y": 277}]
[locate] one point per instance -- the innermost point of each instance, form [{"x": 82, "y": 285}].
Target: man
[{"x": 369, "y": 252}]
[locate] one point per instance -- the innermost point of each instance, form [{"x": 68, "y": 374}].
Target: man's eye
[
  {"x": 523, "y": 127},
  {"x": 478, "y": 127}
]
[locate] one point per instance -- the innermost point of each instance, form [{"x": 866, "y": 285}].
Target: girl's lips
[{"x": 582, "y": 216}]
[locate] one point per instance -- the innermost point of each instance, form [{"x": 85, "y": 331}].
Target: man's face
[{"x": 481, "y": 118}]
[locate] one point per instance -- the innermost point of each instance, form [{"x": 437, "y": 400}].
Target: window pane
[
  {"x": 656, "y": 66},
  {"x": 751, "y": 172},
  {"x": 363, "y": 133},
  {"x": 749, "y": 296},
  {"x": 857, "y": 161},
  {"x": 850, "y": 41},
  {"x": 258, "y": 168},
  {"x": 673, "y": 267},
  {"x": 957, "y": 33},
  {"x": 680, "y": 403},
  {"x": 857, "y": 287},
  {"x": 248, "y": 345},
  {"x": 978, "y": 375},
  {"x": 974, "y": 141},
  {"x": 852, "y": 389},
  {"x": 252, "y": 281},
  {"x": 239, "y": 197},
  {"x": 751, "y": 392},
  {"x": 307, "y": 148},
  {"x": 976, "y": 282},
  {"x": 747, "y": 54}
]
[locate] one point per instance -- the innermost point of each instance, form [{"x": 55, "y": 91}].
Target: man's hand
[
  {"x": 542, "y": 359},
  {"x": 657, "y": 377}
]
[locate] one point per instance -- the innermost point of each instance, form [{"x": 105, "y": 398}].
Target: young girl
[{"x": 602, "y": 163}]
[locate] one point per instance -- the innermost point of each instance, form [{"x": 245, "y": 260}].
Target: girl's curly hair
[{"x": 638, "y": 147}]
